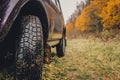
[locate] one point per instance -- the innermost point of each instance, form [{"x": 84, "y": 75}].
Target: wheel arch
[
  {"x": 11, "y": 31},
  {"x": 35, "y": 8}
]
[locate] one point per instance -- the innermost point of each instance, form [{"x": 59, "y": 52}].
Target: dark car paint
[
  {"x": 56, "y": 21},
  {"x": 10, "y": 9},
  {"x": 9, "y": 12}
]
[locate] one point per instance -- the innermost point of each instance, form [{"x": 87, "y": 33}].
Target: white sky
[{"x": 68, "y": 7}]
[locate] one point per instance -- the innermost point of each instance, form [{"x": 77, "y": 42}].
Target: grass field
[{"x": 85, "y": 59}]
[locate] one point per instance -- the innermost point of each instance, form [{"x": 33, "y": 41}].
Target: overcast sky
[{"x": 68, "y": 7}]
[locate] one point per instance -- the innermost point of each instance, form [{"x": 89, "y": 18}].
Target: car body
[
  {"x": 14, "y": 22},
  {"x": 51, "y": 16}
]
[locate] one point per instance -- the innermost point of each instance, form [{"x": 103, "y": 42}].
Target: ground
[{"x": 85, "y": 59}]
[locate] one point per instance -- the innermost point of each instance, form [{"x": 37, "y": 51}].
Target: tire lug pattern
[{"x": 29, "y": 59}]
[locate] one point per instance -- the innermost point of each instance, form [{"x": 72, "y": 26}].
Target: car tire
[
  {"x": 30, "y": 50},
  {"x": 61, "y": 47}
]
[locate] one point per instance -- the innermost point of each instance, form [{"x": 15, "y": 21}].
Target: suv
[{"x": 28, "y": 30}]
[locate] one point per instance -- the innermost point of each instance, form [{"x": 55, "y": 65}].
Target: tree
[
  {"x": 69, "y": 27},
  {"x": 111, "y": 14},
  {"x": 89, "y": 19}
]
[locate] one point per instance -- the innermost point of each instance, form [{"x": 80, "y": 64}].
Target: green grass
[{"x": 85, "y": 59}]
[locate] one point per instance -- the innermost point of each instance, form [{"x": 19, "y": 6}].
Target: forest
[{"x": 96, "y": 16}]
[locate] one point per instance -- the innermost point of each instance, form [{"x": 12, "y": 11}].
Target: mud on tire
[{"x": 29, "y": 54}]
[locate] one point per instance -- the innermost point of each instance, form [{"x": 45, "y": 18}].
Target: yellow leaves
[
  {"x": 111, "y": 14},
  {"x": 82, "y": 22},
  {"x": 99, "y": 13},
  {"x": 69, "y": 26},
  {"x": 88, "y": 20},
  {"x": 97, "y": 16}
]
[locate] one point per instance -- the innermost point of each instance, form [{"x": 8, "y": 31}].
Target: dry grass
[{"x": 86, "y": 59}]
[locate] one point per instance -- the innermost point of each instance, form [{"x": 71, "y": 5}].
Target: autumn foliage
[
  {"x": 111, "y": 14},
  {"x": 69, "y": 26},
  {"x": 97, "y": 16}
]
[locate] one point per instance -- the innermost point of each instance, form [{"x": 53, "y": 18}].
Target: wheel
[
  {"x": 61, "y": 47},
  {"x": 30, "y": 50}
]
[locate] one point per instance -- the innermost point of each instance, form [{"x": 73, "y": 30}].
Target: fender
[
  {"x": 11, "y": 10},
  {"x": 9, "y": 14}
]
